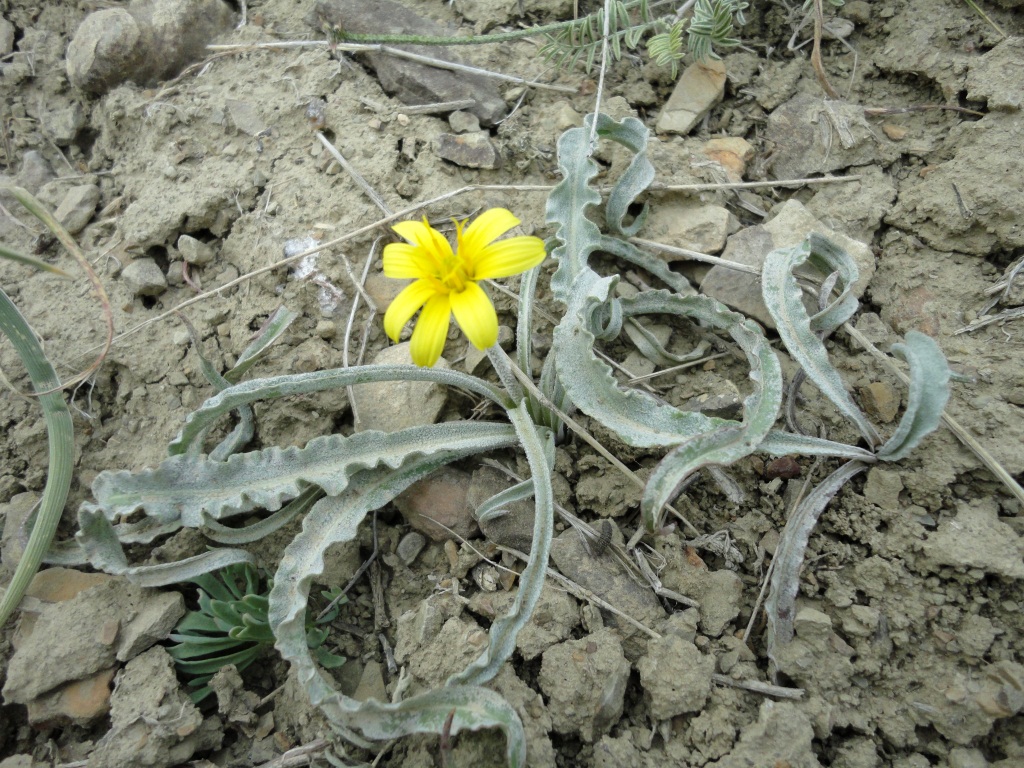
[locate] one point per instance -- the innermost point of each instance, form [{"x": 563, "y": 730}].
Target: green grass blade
[
  {"x": 28, "y": 261},
  {"x": 60, "y": 438}
]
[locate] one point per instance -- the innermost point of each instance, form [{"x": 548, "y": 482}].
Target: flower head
[{"x": 446, "y": 280}]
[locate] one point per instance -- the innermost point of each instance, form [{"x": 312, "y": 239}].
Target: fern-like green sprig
[{"x": 231, "y": 627}]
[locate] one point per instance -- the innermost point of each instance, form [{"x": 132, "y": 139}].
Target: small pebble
[{"x": 410, "y": 547}]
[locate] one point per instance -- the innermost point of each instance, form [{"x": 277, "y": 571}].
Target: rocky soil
[{"x": 181, "y": 170}]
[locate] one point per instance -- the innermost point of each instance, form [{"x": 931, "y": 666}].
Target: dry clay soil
[{"x": 909, "y": 634}]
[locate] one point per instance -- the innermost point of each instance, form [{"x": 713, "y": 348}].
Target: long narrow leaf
[
  {"x": 789, "y": 554},
  {"x": 60, "y": 440},
  {"x": 784, "y": 300}
]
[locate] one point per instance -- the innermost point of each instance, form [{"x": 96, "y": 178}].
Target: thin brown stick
[{"x": 819, "y": 70}]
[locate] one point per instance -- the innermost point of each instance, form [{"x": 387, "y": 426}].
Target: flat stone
[
  {"x": 6, "y": 37},
  {"x": 793, "y": 222},
  {"x": 157, "y": 613},
  {"x": 35, "y": 171},
  {"x": 410, "y": 547},
  {"x": 470, "y": 150},
  {"x": 15, "y": 514},
  {"x": 371, "y": 684},
  {"x": 442, "y": 497},
  {"x": 408, "y": 81},
  {"x": 62, "y": 125},
  {"x": 882, "y": 488},
  {"x": 391, "y": 406},
  {"x": 153, "y": 722},
  {"x": 782, "y": 735},
  {"x": 77, "y": 208},
  {"x": 54, "y": 585},
  {"x": 195, "y": 251},
  {"x": 732, "y": 153},
  {"x": 584, "y": 682},
  {"x": 811, "y": 134},
  {"x": 463, "y": 122},
  {"x": 700, "y": 87},
  {"x": 685, "y": 223},
  {"x": 554, "y": 618},
  {"x": 855, "y": 208},
  {"x": 977, "y": 538},
  {"x": 512, "y": 529},
  {"x": 144, "y": 278},
  {"x": 246, "y": 116},
  {"x": 676, "y": 677},
  {"x": 997, "y": 76},
  {"x": 78, "y": 703}
]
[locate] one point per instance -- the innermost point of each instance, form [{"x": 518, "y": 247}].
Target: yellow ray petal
[
  {"x": 475, "y": 315},
  {"x": 488, "y": 226},
  {"x": 402, "y": 260},
  {"x": 421, "y": 234},
  {"x": 509, "y": 257},
  {"x": 431, "y": 331},
  {"x": 404, "y": 306}
]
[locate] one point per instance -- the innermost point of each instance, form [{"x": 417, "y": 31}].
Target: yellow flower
[{"x": 446, "y": 281}]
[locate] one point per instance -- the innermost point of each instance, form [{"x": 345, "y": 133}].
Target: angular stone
[
  {"x": 882, "y": 488},
  {"x": 463, "y": 122},
  {"x": 391, "y": 406},
  {"x": 700, "y": 87},
  {"x": 686, "y": 223},
  {"x": 997, "y": 76},
  {"x": 977, "y": 538},
  {"x": 77, "y": 208},
  {"x": 157, "y": 614},
  {"x": 732, "y": 153},
  {"x": 144, "y": 278},
  {"x": 78, "y": 702},
  {"x": 782, "y": 735},
  {"x": 811, "y": 134},
  {"x": 585, "y": 683},
  {"x": 195, "y": 251},
  {"x": 409, "y": 81},
  {"x": 6, "y": 37},
  {"x": 410, "y": 547},
  {"x": 792, "y": 223},
  {"x": 676, "y": 677},
  {"x": 470, "y": 150},
  {"x": 35, "y": 171},
  {"x": 15, "y": 514},
  {"x": 62, "y": 125}
]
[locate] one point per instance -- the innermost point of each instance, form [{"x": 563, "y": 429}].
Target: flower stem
[{"x": 503, "y": 367}]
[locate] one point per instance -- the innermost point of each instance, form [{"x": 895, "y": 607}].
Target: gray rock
[
  {"x": 676, "y": 677},
  {"x": 602, "y": 575},
  {"x": 856, "y": 208},
  {"x": 811, "y": 134},
  {"x": 6, "y": 37},
  {"x": 409, "y": 81},
  {"x": 997, "y": 77},
  {"x": 153, "y": 722},
  {"x": 700, "y": 87},
  {"x": 246, "y": 116},
  {"x": 585, "y": 683},
  {"x": 554, "y": 618},
  {"x": 70, "y": 641},
  {"x": 77, "y": 207},
  {"x": 782, "y": 735},
  {"x": 883, "y": 488},
  {"x": 514, "y": 528},
  {"x": 410, "y": 547},
  {"x": 62, "y": 125},
  {"x": 35, "y": 171},
  {"x": 156, "y": 615},
  {"x": 463, "y": 122},
  {"x": 195, "y": 251},
  {"x": 393, "y": 405},
  {"x": 684, "y": 223},
  {"x": 144, "y": 43},
  {"x": 144, "y": 278},
  {"x": 791, "y": 224},
  {"x": 972, "y": 203},
  {"x": 977, "y": 538},
  {"x": 470, "y": 150}
]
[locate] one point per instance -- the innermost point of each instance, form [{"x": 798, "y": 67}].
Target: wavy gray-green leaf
[{"x": 192, "y": 489}]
